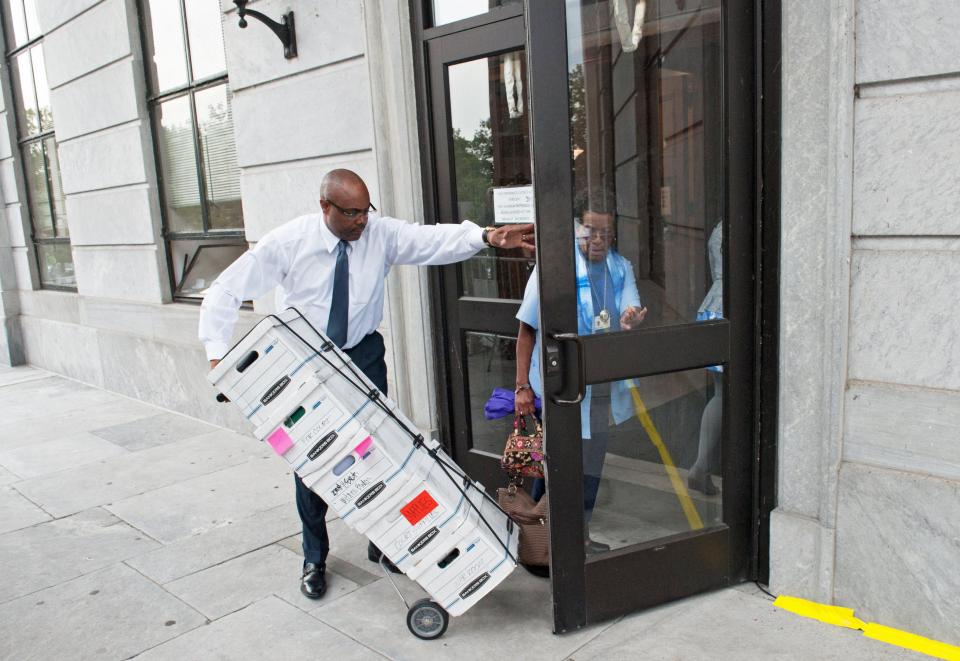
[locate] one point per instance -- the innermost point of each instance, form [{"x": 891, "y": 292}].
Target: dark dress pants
[{"x": 368, "y": 355}]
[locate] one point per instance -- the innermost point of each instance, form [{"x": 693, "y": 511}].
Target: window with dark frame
[
  {"x": 190, "y": 104},
  {"x": 38, "y": 146}
]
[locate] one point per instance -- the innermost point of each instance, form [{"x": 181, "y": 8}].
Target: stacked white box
[
  {"x": 476, "y": 564},
  {"x": 314, "y": 407}
]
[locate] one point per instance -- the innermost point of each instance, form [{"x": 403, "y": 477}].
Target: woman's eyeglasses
[{"x": 589, "y": 233}]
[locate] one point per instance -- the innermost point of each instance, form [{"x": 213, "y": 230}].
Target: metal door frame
[{"x": 644, "y": 574}]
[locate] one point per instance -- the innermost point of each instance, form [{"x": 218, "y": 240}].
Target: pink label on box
[
  {"x": 361, "y": 449},
  {"x": 280, "y": 441}
]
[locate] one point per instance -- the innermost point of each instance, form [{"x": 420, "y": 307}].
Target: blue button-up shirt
[{"x": 624, "y": 294}]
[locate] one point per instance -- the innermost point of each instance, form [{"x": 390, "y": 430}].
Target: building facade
[{"x": 146, "y": 144}]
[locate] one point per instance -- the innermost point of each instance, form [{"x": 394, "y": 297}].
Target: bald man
[{"x": 331, "y": 267}]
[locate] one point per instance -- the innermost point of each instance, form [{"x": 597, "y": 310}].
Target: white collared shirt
[{"x": 299, "y": 259}]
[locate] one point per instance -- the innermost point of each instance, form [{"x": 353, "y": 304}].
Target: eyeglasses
[
  {"x": 588, "y": 234},
  {"x": 352, "y": 213}
]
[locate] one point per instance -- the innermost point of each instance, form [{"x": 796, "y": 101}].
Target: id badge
[{"x": 602, "y": 321}]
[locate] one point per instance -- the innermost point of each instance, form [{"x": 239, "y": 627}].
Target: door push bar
[{"x": 553, "y": 366}]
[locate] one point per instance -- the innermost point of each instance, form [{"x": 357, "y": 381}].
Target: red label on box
[{"x": 418, "y": 508}]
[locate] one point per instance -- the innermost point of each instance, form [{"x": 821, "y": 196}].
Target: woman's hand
[
  {"x": 523, "y": 403},
  {"x": 632, "y": 317}
]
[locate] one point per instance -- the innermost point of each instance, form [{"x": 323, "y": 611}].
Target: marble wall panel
[
  {"x": 797, "y": 546},
  {"x": 67, "y": 349},
  {"x": 324, "y": 27},
  {"x": 104, "y": 98},
  {"x": 173, "y": 322},
  {"x": 8, "y": 181},
  {"x": 898, "y": 136},
  {"x": 904, "y": 320},
  {"x": 306, "y": 116},
  {"x": 273, "y": 195},
  {"x": 905, "y": 40},
  {"x": 113, "y": 216},
  {"x": 54, "y": 305},
  {"x": 911, "y": 429},
  {"x": 72, "y": 50},
  {"x": 169, "y": 375},
  {"x": 816, "y": 158},
  {"x": 11, "y": 342},
  {"x": 54, "y": 14},
  {"x": 24, "y": 264},
  {"x": 16, "y": 232},
  {"x": 10, "y": 302},
  {"x": 5, "y": 149},
  {"x": 898, "y": 544},
  {"x": 128, "y": 273},
  {"x": 111, "y": 158},
  {"x": 8, "y": 272}
]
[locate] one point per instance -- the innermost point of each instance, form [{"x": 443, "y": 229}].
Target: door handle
[{"x": 581, "y": 369}]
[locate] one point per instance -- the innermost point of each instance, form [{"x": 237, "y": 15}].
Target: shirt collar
[{"x": 327, "y": 238}]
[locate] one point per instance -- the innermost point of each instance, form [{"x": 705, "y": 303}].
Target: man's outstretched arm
[{"x": 446, "y": 243}]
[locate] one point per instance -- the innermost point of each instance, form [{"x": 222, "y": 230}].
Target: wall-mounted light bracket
[{"x": 283, "y": 30}]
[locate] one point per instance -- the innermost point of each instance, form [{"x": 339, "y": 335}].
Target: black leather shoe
[
  {"x": 313, "y": 583},
  {"x": 374, "y": 555}
]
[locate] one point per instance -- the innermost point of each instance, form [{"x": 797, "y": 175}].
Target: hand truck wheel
[{"x": 427, "y": 620}]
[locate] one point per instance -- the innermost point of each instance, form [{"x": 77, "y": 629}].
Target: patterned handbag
[{"x": 523, "y": 454}]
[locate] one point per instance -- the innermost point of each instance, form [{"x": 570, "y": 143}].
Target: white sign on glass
[{"x": 513, "y": 204}]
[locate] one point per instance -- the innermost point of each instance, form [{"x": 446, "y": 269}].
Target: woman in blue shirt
[{"x": 607, "y": 301}]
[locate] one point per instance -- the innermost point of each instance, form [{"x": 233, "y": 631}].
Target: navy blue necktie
[{"x": 340, "y": 301}]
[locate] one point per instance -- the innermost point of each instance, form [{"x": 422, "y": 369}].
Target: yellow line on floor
[
  {"x": 689, "y": 509},
  {"x": 843, "y": 617}
]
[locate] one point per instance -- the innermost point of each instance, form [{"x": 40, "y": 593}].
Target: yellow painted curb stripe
[
  {"x": 912, "y": 641},
  {"x": 835, "y": 615},
  {"x": 689, "y": 510},
  {"x": 843, "y": 617}
]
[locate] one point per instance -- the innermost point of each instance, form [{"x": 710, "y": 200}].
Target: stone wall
[{"x": 869, "y": 478}]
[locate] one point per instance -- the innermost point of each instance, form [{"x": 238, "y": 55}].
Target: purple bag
[{"x": 501, "y": 404}]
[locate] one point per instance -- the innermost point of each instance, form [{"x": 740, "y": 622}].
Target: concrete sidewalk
[{"x": 127, "y": 530}]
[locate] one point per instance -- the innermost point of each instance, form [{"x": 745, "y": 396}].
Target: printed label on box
[
  {"x": 280, "y": 441},
  {"x": 418, "y": 508}
]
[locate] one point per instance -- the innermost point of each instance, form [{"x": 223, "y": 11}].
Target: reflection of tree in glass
[
  {"x": 473, "y": 165},
  {"x": 36, "y": 171},
  {"x": 578, "y": 110},
  {"x": 30, "y": 118}
]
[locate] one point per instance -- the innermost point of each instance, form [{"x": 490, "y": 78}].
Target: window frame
[
  {"x": 155, "y": 98},
  {"x": 24, "y": 143}
]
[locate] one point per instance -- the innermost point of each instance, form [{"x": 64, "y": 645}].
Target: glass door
[
  {"x": 481, "y": 154},
  {"x": 643, "y": 304}
]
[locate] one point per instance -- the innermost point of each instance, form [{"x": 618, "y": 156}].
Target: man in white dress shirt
[{"x": 331, "y": 267}]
